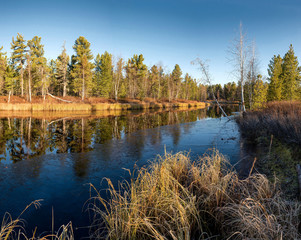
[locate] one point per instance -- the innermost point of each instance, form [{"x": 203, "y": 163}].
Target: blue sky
[{"x": 164, "y": 31}]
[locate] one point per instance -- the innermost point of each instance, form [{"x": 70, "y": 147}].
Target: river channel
[{"x": 54, "y": 158}]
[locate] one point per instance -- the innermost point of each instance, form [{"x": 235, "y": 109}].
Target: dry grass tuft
[
  {"x": 13, "y": 229},
  {"x": 176, "y": 198}
]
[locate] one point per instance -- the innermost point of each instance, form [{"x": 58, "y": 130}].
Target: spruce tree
[
  {"x": 290, "y": 75},
  {"x": 275, "y": 78},
  {"x": 62, "y": 70},
  {"x": 82, "y": 67},
  {"x": 103, "y": 74},
  {"x": 18, "y": 58},
  {"x": 176, "y": 80}
]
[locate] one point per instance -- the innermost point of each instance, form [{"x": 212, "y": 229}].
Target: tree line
[
  {"x": 28, "y": 73},
  {"x": 283, "y": 83}
]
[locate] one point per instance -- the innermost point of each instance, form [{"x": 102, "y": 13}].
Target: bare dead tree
[
  {"x": 203, "y": 67},
  {"x": 238, "y": 56},
  {"x": 253, "y": 70}
]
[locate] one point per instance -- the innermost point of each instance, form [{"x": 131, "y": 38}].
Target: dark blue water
[{"x": 57, "y": 162}]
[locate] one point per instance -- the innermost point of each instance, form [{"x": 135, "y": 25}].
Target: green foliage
[
  {"x": 154, "y": 82},
  {"x": 39, "y": 70},
  {"x": 260, "y": 93},
  {"x": 290, "y": 75},
  {"x": 136, "y": 72},
  {"x": 18, "y": 58},
  {"x": 62, "y": 71},
  {"x": 103, "y": 75},
  {"x": 10, "y": 80},
  {"x": 176, "y": 81},
  {"x": 230, "y": 90},
  {"x": 81, "y": 67},
  {"x": 3, "y": 64},
  {"x": 275, "y": 78}
]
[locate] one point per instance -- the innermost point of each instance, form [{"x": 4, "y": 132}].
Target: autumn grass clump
[
  {"x": 13, "y": 229},
  {"x": 177, "y": 198},
  {"x": 280, "y": 119}
]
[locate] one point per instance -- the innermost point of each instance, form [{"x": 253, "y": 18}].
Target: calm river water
[{"x": 55, "y": 158}]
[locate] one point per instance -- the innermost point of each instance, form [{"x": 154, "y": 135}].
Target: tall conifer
[
  {"x": 290, "y": 75},
  {"x": 18, "y": 58},
  {"x": 82, "y": 67}
]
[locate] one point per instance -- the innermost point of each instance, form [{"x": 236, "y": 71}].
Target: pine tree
[
  {"x": 39, "y": 70},
  {"x": 260, "y": 93},
  {"x": 62, "y": 70},
  {"x": 275, "y": 78},
  {"x": 103, "y": 74},
  {"x": 82, "y": 67},
  {"x": 290, "y": 75},
  {"x": 18, "y": 58},
  {"x": 136, "y": 76}
]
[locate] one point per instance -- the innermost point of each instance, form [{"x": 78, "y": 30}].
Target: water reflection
[{"x": 23, "y": 138}]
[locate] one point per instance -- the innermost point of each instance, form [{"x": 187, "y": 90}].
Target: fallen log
[{"x": 59, "y": 98}]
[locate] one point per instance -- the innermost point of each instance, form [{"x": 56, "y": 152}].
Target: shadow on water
[{"x": 54, "y": 157}]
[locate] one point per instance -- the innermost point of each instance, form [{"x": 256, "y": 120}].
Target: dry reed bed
[
  {"x": 94, "y": 107},
  {"x": 281, "y": 119},
  {"x": 176, "y": 198}
]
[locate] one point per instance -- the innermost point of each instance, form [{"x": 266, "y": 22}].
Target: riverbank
[{"x": 94, "y": 104}]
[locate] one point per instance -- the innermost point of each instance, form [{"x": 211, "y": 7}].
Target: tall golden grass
[{"x": 177, "y": 198}]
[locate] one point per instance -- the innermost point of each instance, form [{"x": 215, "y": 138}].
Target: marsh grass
[
  {"x": 13, "y": 229},
  {"x": 177, "y": 198},
  {"x": 281, "y": 119}
]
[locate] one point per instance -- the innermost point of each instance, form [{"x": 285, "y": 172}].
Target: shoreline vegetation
[
  {"x": 274, "y": 135},
  {"x": 180, "y": 198}
]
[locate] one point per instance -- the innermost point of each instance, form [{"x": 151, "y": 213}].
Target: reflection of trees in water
[
  {"x": 27, "y": 137},
  {"x": 215, "y": 112}
]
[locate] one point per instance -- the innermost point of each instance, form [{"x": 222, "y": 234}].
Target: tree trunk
[
  {"x": 64, "y": 84},
  {"x": 29, "y": 77},
  {"x": 83, "y": 87},
  {"x": 22, "y": 82}
]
